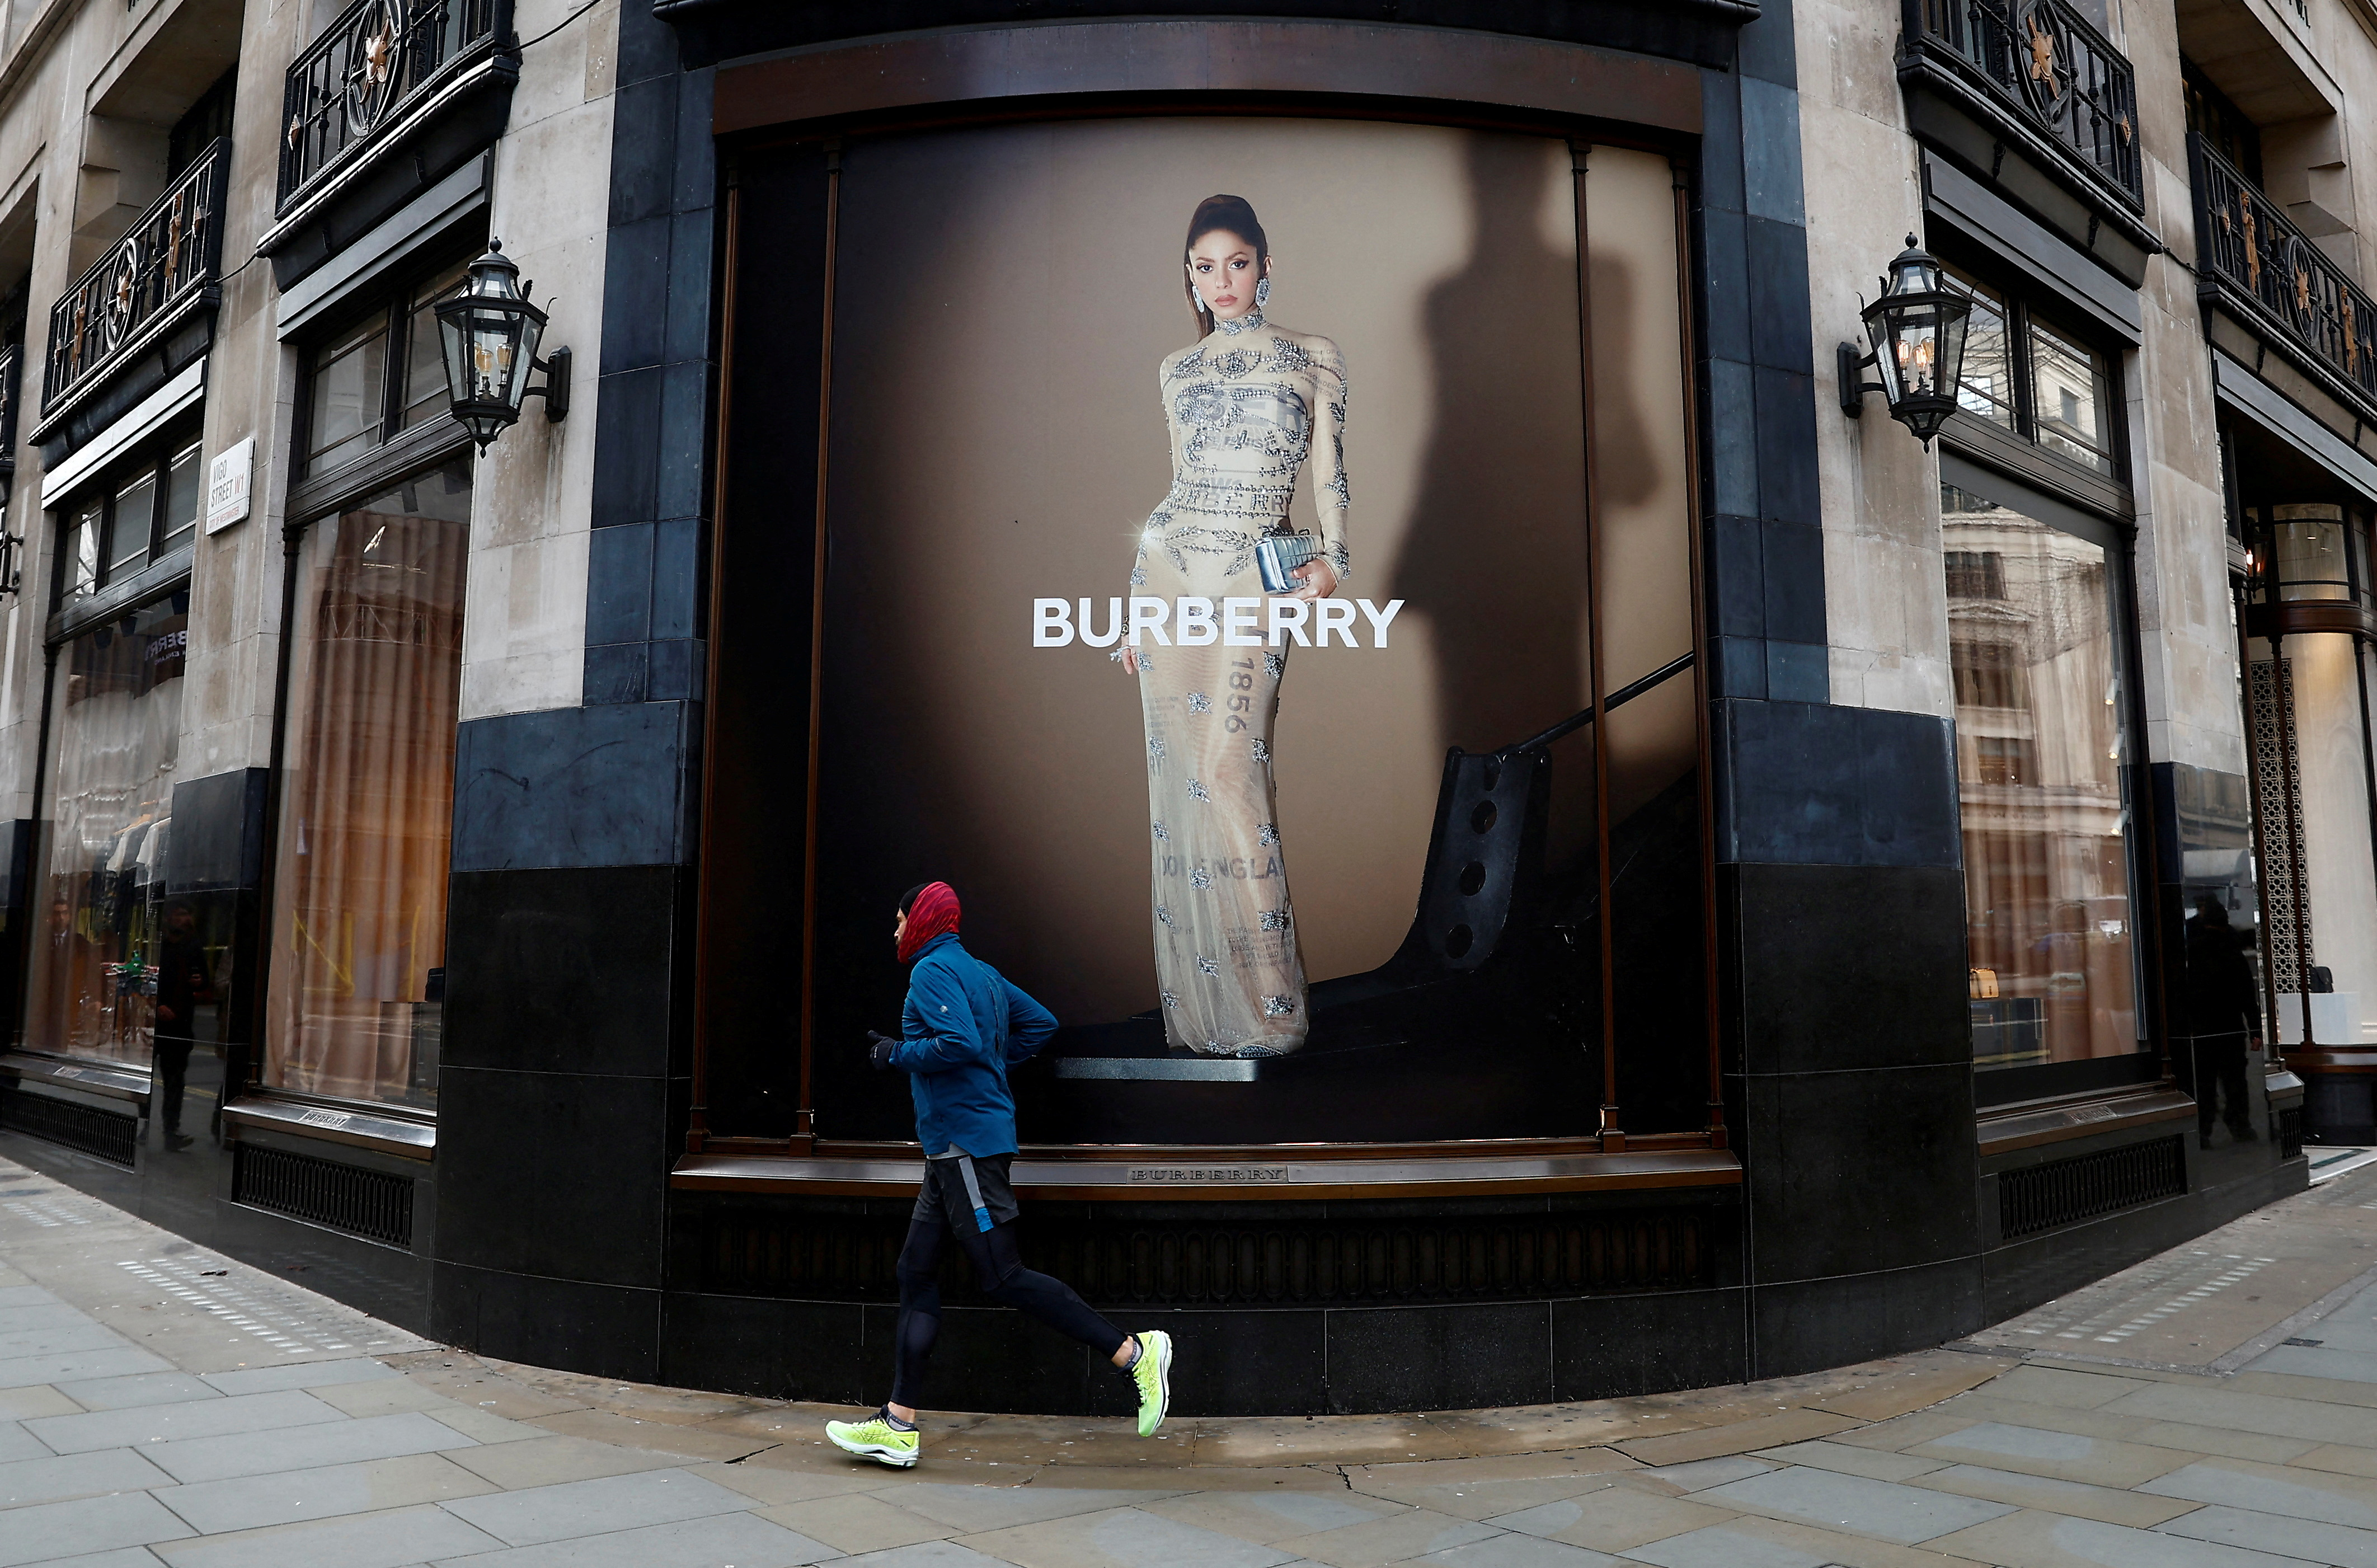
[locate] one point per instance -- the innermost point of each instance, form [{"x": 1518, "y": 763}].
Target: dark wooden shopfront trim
[
  {"x": 2288, "y": 616},
  {"x": 890, "y": 83},
  {"x": 1370, "y": 60},
  {"x": 2006, "y": 1129}
]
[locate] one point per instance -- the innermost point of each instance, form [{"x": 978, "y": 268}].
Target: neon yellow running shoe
[
  {"x": 1152, "y": 1373},
  {"x": 877, "y": 1439}
]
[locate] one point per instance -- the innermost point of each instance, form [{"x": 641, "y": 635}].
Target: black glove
[{"x": 878, "y": 1050}]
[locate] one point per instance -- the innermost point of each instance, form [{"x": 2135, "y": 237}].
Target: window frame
[
  {"x": 394, "y": 304},
  {"x": 2027, "y": 311},
  {"x": 154, "y": 459},
  {"x": 1998, "y": 1087},
  {"x": 49, "y": 765},
  {"x": 389, "y": 1125}
]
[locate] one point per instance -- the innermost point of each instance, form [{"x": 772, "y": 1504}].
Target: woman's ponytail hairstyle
[{"x": 1220, "y": 214}]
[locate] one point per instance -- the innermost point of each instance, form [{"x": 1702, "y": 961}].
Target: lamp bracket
[
  {"x": 555, "y": 390},
  {"x": 1854, "y": 385}
]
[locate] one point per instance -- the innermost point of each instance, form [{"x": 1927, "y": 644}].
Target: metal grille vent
[
  {"x": 2290, "y": 1137},
  {"x": 103, "y": 1134},
  {"x": 2067, "y": 1191},
  {"x": 1330, "y": 1263},
  {"x": 362, "y": 1203}
]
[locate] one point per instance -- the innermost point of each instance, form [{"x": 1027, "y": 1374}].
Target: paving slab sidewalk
[{"x": 162, "y": 1406}]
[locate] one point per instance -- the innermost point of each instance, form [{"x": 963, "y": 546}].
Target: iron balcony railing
[
  {"x": 164, "y": 260},
  {"x": 2250, "y": 255},
  {"x": 2044, "y": 65},
  {"x": 376, "y": 60}
]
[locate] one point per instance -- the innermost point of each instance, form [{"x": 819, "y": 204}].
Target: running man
[{"x": 964, "y": 1025}]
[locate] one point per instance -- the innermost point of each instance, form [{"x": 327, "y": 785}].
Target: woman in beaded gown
[{"x": 1247, "y": 404}]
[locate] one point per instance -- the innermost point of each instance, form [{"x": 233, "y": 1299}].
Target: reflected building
[{"x": 2040, "y": 789}]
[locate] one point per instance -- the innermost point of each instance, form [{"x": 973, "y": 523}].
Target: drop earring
[{"x": 1262, "y": 293}]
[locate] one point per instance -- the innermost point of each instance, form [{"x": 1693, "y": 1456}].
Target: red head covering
[{"x": 934, "y": 913}]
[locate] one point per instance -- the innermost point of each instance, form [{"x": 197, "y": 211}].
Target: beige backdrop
[{"x": 1005, "y": 296}]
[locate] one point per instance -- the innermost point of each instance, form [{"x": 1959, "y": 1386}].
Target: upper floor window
[
  {"x": 2212, "y": 115},
  {"x": 205, "y": 123},
  {"x": 380, "y": 376},
  {"x": 1975, "y": 574},
  {"x": 2036, "y": 380},
  {"x": 144, "y": 510}
]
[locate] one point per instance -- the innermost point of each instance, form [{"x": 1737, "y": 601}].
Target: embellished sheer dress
[{"x": 1247, "y": 407}]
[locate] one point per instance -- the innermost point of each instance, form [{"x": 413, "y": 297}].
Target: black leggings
[{"x": 1000, "y": 1271}]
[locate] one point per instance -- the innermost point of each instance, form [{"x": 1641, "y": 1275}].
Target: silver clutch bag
[{"x": 1276, "y": 555}]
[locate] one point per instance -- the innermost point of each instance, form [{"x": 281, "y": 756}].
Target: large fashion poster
[{"x": 1164, "y": 571}]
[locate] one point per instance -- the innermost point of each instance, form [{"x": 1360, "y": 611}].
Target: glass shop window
[
  {"x": 1985, "y": 390},
  {"x": 111, "y": 948},
  {"x": 2316, "y": 552},
  {"x": 380, "y": 376},
  {"x": 2036, "y": 380},
  {"x": 2041, "y": 738},
  {"x": 2071, "y": 388},
  {"x": 350, "y": 375},
  {"x": 358, "y": 972},
  {"x": 144, "y": 510},
  {"x": 79, "y": 552}
]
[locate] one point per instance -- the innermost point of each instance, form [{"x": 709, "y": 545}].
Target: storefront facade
[{"x": 1743, "y": 862}]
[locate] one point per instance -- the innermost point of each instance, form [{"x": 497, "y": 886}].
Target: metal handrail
[
  {"x": 2045, "y": 64},
  {"x": 367, "y": 67},
  {"x": 2247, "y": 248},
  {"x": 169, "y": 252}
]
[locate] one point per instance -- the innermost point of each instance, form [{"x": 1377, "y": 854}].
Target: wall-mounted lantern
[
  {"x": 491, "y": 331},
  {"x": 1916, "y": 329}
]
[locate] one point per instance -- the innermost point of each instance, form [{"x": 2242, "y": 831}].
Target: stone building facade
[{"x": 1754, "y": 871}]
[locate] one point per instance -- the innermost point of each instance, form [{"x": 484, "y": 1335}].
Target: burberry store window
[
  {"x": 2035, "y": 618},
  {"x": 357, "y": 974},
  {"x": 116, "y": 961}
]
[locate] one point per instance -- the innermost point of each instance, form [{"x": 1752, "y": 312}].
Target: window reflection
[
  {"x": 1985, "y": 387},
  {"x": 2035, "y": 380},
  {"x": 182, "y": 481},
  {"x": 424, "y": 364},
  {"x": 78, "y": 553},
  {"x": 358, "y": 973},
  {"x": 135, "y": 513},
  {"x": 350, "y": 385},
  {"x": 2039, "y": 737},
  {"x": 102, "y": 907},
  {"x": 2071, "y": 385}
]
